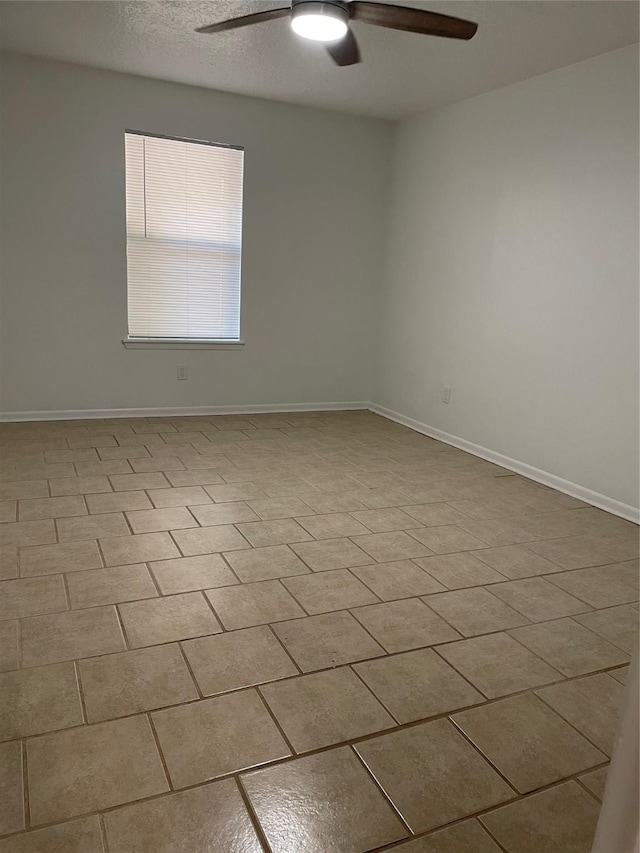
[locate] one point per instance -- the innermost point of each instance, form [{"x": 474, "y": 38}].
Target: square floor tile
[
  {"x": 213, "y": 737},
  {"x": 118, "y": 501},
  {"x": 457, "y": 571},
  {"x": 465, "y": 837},
  {"x": 515, "y": 562},
  {"x": 79, "y": 486},
  {"x": 591, "y": 704},
  {"x": 599, "y": 587},
  {"x": 8, "y": 562},
  {"x": 186, "y": 821},
  {"x": 278, "y": 532},
  {"x": 618, "y": 625},
  {"x": 234, "y": 492},
  {"x": 210, "y": 515},
  {"x": 325, "y": 708},
  {"x": 165, "y": 620},
  {"x": 331, "y": 554},
  {"x": 560, "y": 820},
  {"x": 386, "y": 547},
  {"x": 538, "y": 600},
  {"x": 402, "y": 625},
  {"x": 156, "y": 520},
  {"x": 287, "y": 507},
  {"x": 237, "y": 659},
  {"x": 569, "y": 647},
  {"x": 90, "y": 768},
  {"x": 497, "y": 665},
  {"x": 130, "y": 682},
  {"x": 401, "y": 579},
  {"x": 127, "y": 550},
  {"x": 432, "y": 775},
  {"x": 51, "y": 559},
  {"x": 248, "y": 604},
  {"x": 448, "y": 539},
  {"x": 528, "y": 742},
  {"x": 209, "y": 540},
  {"x": 595, "y": 781},
  {"x": 436, "y": 514},
  {"x": 579, "y": 552},
  {"x": 417, "y": 685},
  {"x": 185, "y": 496},
  {"x": 328, "y": 640},
  {"x": 110, "y": 586},
  {"x": 24, "y": 533},
  {"x": 9, "y": 512},
  {"x": 92, "y": 527},
  {"x": 332, "y": 503},
  {"x": 11, "y": 795},
  {"x": 135, "y": 482},
  {"x": 322, "y": 802},
  {"x": 332, "y": 526},
  {"x": 8, "y": 645},
  {"x": 326, "y": 591},
  {"x": 38, "y": 700},
  {"x": 186, "y": 574},
  {"x": 32, "y": 596},
  {"x": 497, "y": 532},
  {"x": 258, "y": 564},
  {"x": 35, "y": 508},
  {"x": 71, "y": 635},
  {"x": 76, "y": 836},
  {"x": 474, "y": 611}
]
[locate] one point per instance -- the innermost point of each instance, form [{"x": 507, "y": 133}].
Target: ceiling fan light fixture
[{"x": 319, "y": 21}]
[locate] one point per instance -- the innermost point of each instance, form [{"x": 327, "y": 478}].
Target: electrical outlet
[
  {"x": 182, "y": 371},
  {"x": 446, "y": 394}
]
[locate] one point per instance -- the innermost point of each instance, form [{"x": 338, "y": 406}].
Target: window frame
[{"x": 182, "y": 343}]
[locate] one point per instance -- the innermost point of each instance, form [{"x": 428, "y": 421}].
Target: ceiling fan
[{"x": 328, "y": 21}]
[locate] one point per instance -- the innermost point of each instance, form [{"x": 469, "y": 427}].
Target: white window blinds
[{"x": 184, "y": 239}]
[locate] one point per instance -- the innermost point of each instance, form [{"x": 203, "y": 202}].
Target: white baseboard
[
  {"x": 626, "y": 511},
  {"x": 177, "y": 412}
]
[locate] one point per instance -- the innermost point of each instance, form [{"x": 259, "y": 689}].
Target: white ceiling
[{"x": 401, "y": 73}]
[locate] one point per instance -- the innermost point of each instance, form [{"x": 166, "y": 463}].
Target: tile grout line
[{"x": 253, "y": 817}]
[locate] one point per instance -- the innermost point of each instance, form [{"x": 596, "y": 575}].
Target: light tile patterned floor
[{"x": 300, "y": 632}]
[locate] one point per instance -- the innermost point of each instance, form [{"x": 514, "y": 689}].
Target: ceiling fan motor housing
[{"x": 334, "y": 9}]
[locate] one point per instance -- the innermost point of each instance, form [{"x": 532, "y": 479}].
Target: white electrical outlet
[
  {"x": 446, "y": 394},
  {"x": 182, "y": 371}
]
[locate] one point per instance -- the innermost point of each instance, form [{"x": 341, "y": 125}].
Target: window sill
[{"x": 179, "y": 343}]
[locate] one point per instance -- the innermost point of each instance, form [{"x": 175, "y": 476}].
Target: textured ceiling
[{"x": 401, "y": 73}]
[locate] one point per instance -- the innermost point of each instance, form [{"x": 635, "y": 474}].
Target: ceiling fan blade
[
  {"x": 245, "y": 20},
  {"x": 345, "y": 51},
  {"x": 411, "y": 20}
]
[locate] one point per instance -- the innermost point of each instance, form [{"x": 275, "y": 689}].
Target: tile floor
[{"x": 300, "y": 632}]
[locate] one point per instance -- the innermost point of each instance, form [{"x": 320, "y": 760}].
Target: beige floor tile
[
  {"x": 498, "y": 532},
  {"x": 570, "y": 647},
  {"x": 620, "y": 674},
  {"x": 457, "y": 571},
  {"x": 79, "y": 486},
  {"x": 157, "y": 520},
  {"x": 515, "y": 562},
  {"x": 191, "y": 820},
  {"x": 234, "y": 492},
  {"x": 402, "y": 625},
  {"x": 110, "y": 586},
  {"x": 436, "y": 514},
  {"x": 528, "y": 742},
  {"x": 12, "y": 491},
  {"x": 331, "y": 554},
  {"x": 23, "y": 533},
  {"x": 227, "y": 513},
  {"x": 68, "y": 557},
  {"x": 474, "y": 611},
  {"x": 84, "y": 441},
  {"x": 560, "y": 820},
  {"x": 497, "y": 665},
  {"x": 9, "y": 512},
  {"x": 386, "y": 520},
  {"x": 90, "y": 768},
  {"x": 8, "y": 562},
  {"x": 332, "y": 503},
  {"x": 278, "y": 532},
  {"x": 327, "y": 591},
  {"x": 248, "y": 604},
  {"x": 447, "y": 539},
  {"x": 538, "y": 600},
  {"x": 270, "y": 509},
  {"x": 383, "y": 498},
  {"x": 432, "y": 774},
  {"x": 386, "y": 547},
  {"x": 332, "y": 526},
  {"x": 322, "y": 802},
  {"x": 165, "y": 620},
  {"x": 8, "y": 645},
  {"x": 237, "y": 659},
  {"x": 579, "y": 552},
  {"x": 41, "y": 699},
  {"x": 142, "y": 548},
  {"x": 130, "y": 682},
  {"x": 591, "y": 704},
  {"x": 71, "y": 635},
  {"x": 400, "y": 579},
  {"x": 97, "y": 467},
  {"x": 107, "y": 453},
  {"x": 599, "y": 587},
  {"x": 213, "y": 737},
  {"x": 11, "y": 796},
  {"x": 36, "y": 508},
  {"x": 187, "y": 574},
  {"x": 417, "y": 685},
  {"x": 135, "y": 482},
  {"x": 157, "y": 463},
  {"x": 328, "y": 640},
  {"x": 595, "y": 781},
  {"x": 465, "y": 837},
  {"x": 618, "y": 625},
  {"x": 325, "y": 708},
  {"x": 76, "y": 836},
  {"x": 187, "y": 496},
  {"x": 92, "y": 527},
  {"x": 118, "y": 502},
  {"x": 209, "y": 540},
  {"x": 256, "y": 564},
  {"x": 32, "y": 596}
]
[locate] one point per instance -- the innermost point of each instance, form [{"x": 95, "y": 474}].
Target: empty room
[{"x": 319, "y": 426}]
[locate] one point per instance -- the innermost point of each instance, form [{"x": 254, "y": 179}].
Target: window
[{"x": 184, "y": 240}]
